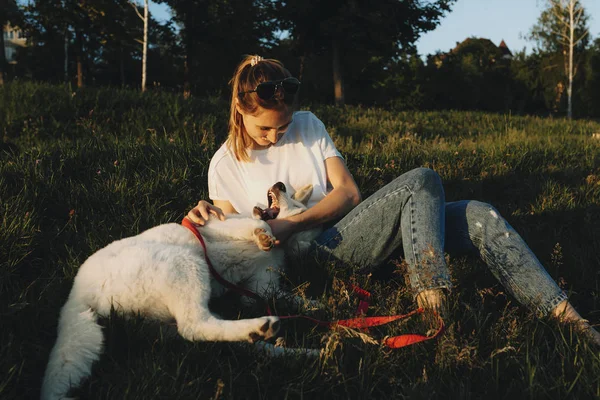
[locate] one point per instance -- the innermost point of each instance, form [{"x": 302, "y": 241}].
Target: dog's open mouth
[
  {"x": 273, "y": 210},
  {"x": 272, "y": 199}
]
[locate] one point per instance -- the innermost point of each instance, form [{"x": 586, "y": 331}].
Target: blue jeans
[{"x": 410, "y": 212}]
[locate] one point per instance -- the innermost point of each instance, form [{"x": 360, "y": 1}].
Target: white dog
[{"x": 162, "y": 273}]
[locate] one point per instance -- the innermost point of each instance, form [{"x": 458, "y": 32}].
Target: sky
[{"x": 497, "y": 20}]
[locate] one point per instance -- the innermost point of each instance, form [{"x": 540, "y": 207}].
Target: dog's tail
[{"x": 78, "y": 345}]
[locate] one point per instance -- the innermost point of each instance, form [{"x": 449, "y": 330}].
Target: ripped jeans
[{"x": 411, "y": 212}]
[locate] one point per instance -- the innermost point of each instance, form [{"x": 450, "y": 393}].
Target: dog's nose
[{"x": 280, "y": 186}]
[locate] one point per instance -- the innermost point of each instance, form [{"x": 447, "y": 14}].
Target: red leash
[
  {"x": 360, "y": 322},
  {"x": 393, "y": 342}
]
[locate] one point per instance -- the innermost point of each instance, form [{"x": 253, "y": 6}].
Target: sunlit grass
[{"x": 81, "y": 169}]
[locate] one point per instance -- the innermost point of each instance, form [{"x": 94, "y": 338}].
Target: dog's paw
[
  {"x": 268, "y": 328},
  {"x": 264, "y": 239}
]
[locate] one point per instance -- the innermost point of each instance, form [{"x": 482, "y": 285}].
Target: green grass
[{"x": 79, "y": 170}]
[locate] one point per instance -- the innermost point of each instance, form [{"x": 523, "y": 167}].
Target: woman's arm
[
  {"x": 226, "y": 206},
  {"x": 343, "y": 198}
]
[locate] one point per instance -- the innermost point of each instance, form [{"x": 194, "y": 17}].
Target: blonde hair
[{"x": 248, "y": 74}]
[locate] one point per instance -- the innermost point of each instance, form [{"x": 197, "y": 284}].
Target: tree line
[{"x": 343, "y": 51}]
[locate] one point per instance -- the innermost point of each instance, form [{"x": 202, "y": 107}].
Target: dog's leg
[
  {"x": 195, "y": 322},
  {"x": 207, "y": 327}
]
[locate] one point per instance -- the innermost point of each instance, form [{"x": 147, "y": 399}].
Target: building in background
[
  {"x": 506, "y": 53},
  {"x": 484, "y": 50},
  {"x": 14, "y": 38}
]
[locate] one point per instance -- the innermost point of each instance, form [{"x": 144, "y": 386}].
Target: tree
[
  {"x": 47, "y": 26},
  {"x": 101, "y": 35},
  {"x": 121, "y": 59},
  {"x": 473, "y": 75},
  {"x": 591, "y": 87},
  {"x": 119, "y": 30},
  {"x": 528, "y": 83},
  {"x": 216, "y": 34},
  {"x": 562, "y": 30},
  {"x": 357, "y": 33},
  {"x": 50, "y": 27},
  {"x": 144, "y": 42}
]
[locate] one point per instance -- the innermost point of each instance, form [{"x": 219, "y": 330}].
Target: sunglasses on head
[{"x": 266, "y": 90}]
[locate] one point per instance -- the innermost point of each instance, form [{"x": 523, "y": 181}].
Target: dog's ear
[{"x": 303, "y": 194}]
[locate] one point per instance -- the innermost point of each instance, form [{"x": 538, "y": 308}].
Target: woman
[{"x": 269, "y": 142}]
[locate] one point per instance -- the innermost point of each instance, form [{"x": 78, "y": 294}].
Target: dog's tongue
[{"x": 269, "y": 213}]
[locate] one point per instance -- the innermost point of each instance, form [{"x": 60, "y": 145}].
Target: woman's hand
[
  {"x": 200, "y": 214},
  {"x": 282, "y": 229}
]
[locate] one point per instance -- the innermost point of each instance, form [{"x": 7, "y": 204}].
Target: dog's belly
[
  {"x": 135, "y": 275},
  {"x": 242, "y": 262}
]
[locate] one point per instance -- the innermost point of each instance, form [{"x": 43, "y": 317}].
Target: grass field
[{"x": 81, "y": 169}]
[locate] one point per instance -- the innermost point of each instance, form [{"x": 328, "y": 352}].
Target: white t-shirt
[{"x": 298, "y": 158}]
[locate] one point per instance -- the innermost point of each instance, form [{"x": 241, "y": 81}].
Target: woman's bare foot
[
  {"x": 565, "y": 313},
  {"x": 433, "y": 300}
]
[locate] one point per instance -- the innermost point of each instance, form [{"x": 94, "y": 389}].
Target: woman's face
[{"x": 266, "y": 127}]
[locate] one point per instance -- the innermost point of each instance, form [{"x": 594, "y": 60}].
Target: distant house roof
[
  {"x": 506, "y": 53},
  {"x": 473, "y": 42},
  {"x": 475, "y": 45}
]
